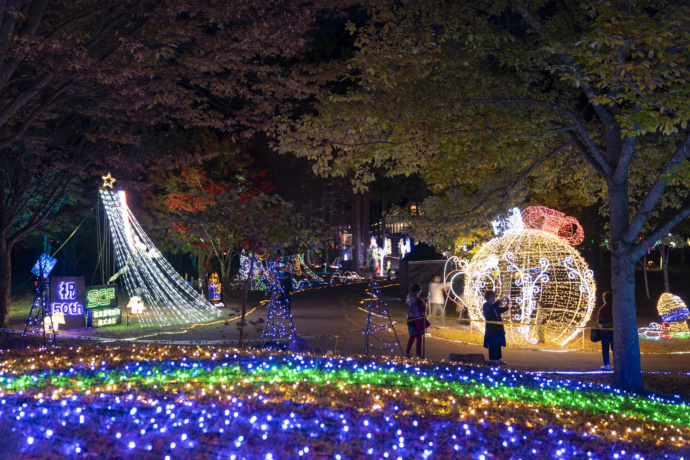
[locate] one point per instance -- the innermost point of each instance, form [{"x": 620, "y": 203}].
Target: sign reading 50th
[{"x": 67, "y": 297}]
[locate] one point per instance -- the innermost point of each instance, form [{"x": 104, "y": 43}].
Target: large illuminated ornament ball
[
  {"x": 673, "y": 311},
  {"x": 533, "y": 268}
]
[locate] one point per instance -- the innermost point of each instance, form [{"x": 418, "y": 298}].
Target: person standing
[
  {"x": 605, "y": 320},
  {"x": 285, "y": 279},
  {"x": 416, "y": 319},
  {"x": 495, "y": 334},
  {"x": 437, "y": 299}
]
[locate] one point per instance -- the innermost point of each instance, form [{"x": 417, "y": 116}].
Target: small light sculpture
[
  {"x": 532, "y": 267},
  {"x": 510, "y": 223},
  {"x": 672, "y": 310},
  {"x": 214, "y": 287},
  {"x": 552, "y": 221},
  {"x": 108, "y": 181},
  {"x": 53, "y": 321},
  {"x": 404, "y": 246},
  {"x": 380, "y": 254},
  {"x": 136, "y": 305}
]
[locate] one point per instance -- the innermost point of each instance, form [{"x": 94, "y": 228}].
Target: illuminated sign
[
  {"x": 100, "y": 317},
  {"x": 101, "y": 296},
  {"x": 44, "y": 265},
  {"x": 67, "y": 297}
]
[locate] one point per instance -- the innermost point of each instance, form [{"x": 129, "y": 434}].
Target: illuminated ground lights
[{"x": 158, "y": 402}]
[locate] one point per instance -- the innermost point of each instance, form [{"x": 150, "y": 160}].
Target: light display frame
[
  {"x": 673, "y": 311},
  {"x": 144, "y": 273},
  {"x": 556, "y": 222},
  {"x": 530, "y": 267}
]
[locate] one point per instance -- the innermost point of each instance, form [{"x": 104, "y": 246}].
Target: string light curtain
[{"x": 168, "y": 299}]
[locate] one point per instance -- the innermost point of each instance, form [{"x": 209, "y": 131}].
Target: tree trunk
[
  {"x": 665, "y": 252},
  {"x": 224, "y": 279},
  {"x": 325, "y": 255},
  {"x": 357, "y": 233},
  {"x": 247, "y": 282},
  {"x": 644, "y": 270},
  {"x": 383, "y": 219},
  {"x": 5, "y": 282},
  {"x": 627, "y": 367},
  {"x": 628, "y": 372}
]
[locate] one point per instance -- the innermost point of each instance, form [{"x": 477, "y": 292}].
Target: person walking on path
[
  {"x": 416, "y": 319},
  {"x": 495, "y": 334},
  {"x": 605, "y": 319},
  {"x": 437, "y": 299}
]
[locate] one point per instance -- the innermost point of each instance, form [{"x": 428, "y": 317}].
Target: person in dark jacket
[
  {"x": 605, "y": 319},
  {"x": 495, "y": 334},
  {"x": 416, "y": 319},
  {"x": 285, "y": 279}
]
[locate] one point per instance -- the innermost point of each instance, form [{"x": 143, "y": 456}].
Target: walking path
[{"x": 323, "y": 318}]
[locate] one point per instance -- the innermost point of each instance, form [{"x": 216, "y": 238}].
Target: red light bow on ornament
[{"x": 552, "y": 221}]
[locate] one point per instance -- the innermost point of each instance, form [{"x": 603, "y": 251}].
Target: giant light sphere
[{"x": 533, "y": 269}]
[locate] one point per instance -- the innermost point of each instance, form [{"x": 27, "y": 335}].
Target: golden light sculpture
[
  {"x": 108, "y": 181},
  {"x": 673, "y": 311},
  {"x": 136, "y": 305},
  {"x": 533, "y": 267},
  {"x": 53, "y": 321}
]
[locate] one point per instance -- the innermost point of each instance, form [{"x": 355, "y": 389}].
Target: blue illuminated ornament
[
  {"x": 672, "y": 310},
  {"x": 44, "y": 265}
]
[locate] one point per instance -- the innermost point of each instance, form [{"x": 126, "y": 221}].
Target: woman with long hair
[{"x": 416, "y": 319}]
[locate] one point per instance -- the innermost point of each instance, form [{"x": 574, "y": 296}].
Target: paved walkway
[{"x": 320, "y": 315}]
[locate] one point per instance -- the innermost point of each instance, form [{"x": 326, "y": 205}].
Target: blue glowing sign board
[
  {"x": 44, "y": 265},
  {"x": 67, "y": 297}
]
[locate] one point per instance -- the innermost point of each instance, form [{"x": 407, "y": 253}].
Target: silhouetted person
[
  {"x": 495, "y": 334},
  {"x": 605, "y": 319}
]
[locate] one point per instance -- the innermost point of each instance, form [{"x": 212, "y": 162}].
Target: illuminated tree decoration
[
  {"x": 404, "y": 246},
  {"x": 508, "y": 224},
  {"x": 380, "y": 254},
  {"x": 143, "y": 273},
  {"x": 533, "y": 267},
  {"x": 552, "y": 221},
  {"x": 214, "y": 288},
  {"x": 672, "y": 310}
]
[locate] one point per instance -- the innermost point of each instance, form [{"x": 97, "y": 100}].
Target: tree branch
[
  {"x": 644, "y": 212},
  {"x": 591, "y": 147},
  {"x": 659, "y": 232}
]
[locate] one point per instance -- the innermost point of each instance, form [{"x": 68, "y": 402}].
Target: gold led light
[
  {"x": 672, "y": 310},
  {"x": 533, "y": 269}
]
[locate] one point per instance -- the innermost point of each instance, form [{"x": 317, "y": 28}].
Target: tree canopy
[
  {"x": 81, "y": 79},
  {"x": 494, "y": 103}
]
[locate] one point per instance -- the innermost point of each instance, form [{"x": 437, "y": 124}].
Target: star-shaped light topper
[{"x": 108, "y": 181}]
